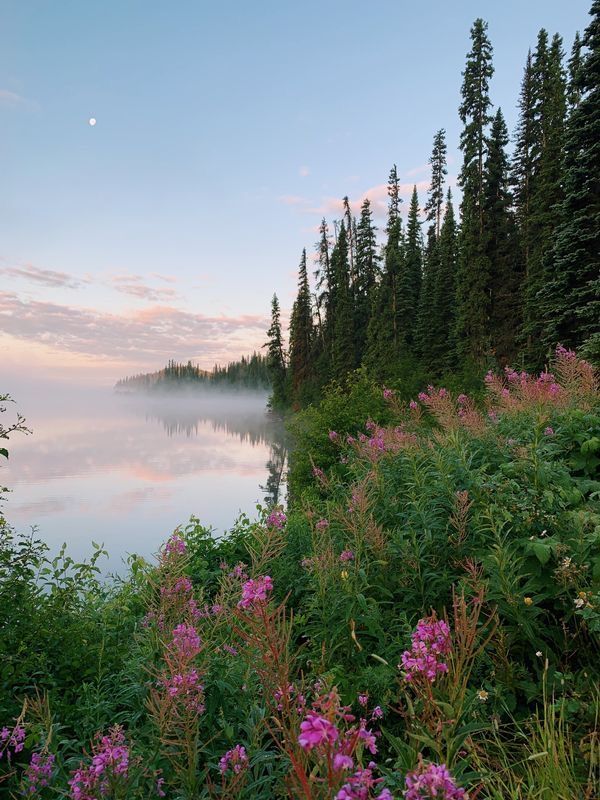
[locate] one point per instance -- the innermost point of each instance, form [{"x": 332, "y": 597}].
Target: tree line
[
  {"x": 250, "y": 372},
  {"x": 516, "y": 271}
]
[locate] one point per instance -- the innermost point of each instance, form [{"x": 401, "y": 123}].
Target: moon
[{"x": 92, "y": 121}]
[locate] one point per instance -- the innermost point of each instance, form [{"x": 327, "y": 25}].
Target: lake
[{"x": 125, "y": 470}]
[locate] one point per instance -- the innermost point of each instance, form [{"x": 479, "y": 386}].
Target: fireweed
[
  {"x": 106, "y": 772},
  {"x": 432, "y": 782},
  {"x": 176, "y": 701}
]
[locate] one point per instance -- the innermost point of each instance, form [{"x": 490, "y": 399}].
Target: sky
[{"x": 224, "y": 132}]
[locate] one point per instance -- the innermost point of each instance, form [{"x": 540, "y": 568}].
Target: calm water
[{"x": 126, "y": 470}]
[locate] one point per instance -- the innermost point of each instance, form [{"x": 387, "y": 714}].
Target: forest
[
  {"x": 504, "y": 278},
  {"x": 421, "y": 620}
]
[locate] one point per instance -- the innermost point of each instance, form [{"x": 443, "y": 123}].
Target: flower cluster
[
  {"x": 432, "y": 781},
  {"x": 175, "y": 546},
  {"x": 234, "y": 760},
  {"x": 430, "y": 643},
  {"x": 276, "y": 519},
  {"x": 256, "y": 591},
  {"x": 38, "y": 773},
  {"x": 360, "y": 784},
  {"x": 185, "y": 690},
  {"x": 347, "y": 555},
  {"x": 110, "y": 763},
  {"x": 381, "y": 440},
  {"x": 186, "y": 642},
  {"x": 12, "y": 740}
]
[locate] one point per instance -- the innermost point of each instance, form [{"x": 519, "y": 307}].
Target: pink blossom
[
  {"x": 186, "y": 641},
  {"x": 276, "y": 519},
  {"x": 347, "y": 555},
  {"x": 430, "y": 643},
  {"x": 333, "y": 435},
  {"x": 235, "y": 760},
  {"x": 38, "y": 773},
  {"x": 256, "y": 591},
  {"x": 432, "y": 781},
  {"x": 342, "y": 761},
  {"x": 413, "y": 405},
  {"x": 549, "y": 431},
  {"x": 322, "y": 524},
  {"x": 175, "y": 545},
  {"x": 315, "y": 731}
]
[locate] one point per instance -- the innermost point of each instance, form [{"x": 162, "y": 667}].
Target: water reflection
[{"x": 127, "y": 470}]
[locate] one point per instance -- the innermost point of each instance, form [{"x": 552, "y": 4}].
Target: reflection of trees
[{"x": 275, "y": 467}]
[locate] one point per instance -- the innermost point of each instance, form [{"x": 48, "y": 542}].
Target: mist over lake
[{"x": 126, "y": 469}]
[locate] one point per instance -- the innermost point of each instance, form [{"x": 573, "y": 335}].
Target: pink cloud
[
  {"x": 46, "y": 277},
  {"x": 148, "y": 336},
  {"x": 10, "y": 98}
]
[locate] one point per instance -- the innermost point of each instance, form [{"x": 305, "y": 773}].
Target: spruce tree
[
  {"x": 342, "y": 316},
  {"x": 570, "y": 300},
  {"x": 524, "y": 160},
  {"x": 574, "y": 65},
  {"x": 500, "y": 246},
  {"x": 382, "y": 335},
  {"x": 367, "y": 270},
  {"x": 443, "y": 302},
  {"x": 301, "y": 339},
  {"x": 409, "y": 279},
  {"x": 425, "y": 331},
  {"x": 435, "y": 199},
  {"x": 473, "y": 298},
  {"x": 276, "y": 357},
  {"x": 546, "y": 181}
]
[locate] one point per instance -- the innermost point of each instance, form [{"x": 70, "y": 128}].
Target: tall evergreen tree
[
  {"x": 473, "y": 299},
  {"x": 500, "y": 246},
  {"x": 524, "y": 159},
  {"x": 435, "y": 199},
  {"x": 367, "y": 270},
  {"x": 383, "y": 334},
  {"x": 546, "y": 181},
  {"x": 570, "y": 300},
  {"x": 276, "y": 357},
  {"x": 443, "y": 300},
  {"x": 301, "y": 338},
  {"x": 409, "y": 279},
  {"x": 342, "y": 319},
  {"x": 574, "y": 65}
]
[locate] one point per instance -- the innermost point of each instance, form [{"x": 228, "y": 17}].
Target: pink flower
[
  {"x": 346, "y": 555},
  {"x": 388, "y": 394},
  {"x": 413, "y": 405},
  {"x": 175, "y": 545},
  {"x": 322, "y": 524},
  {"x": 186, "y": 641},
  {"x": 315, "y": 731},
  {"x": 549, "y": 431},
  {"x": 235, "y": 760},
  {"x": 341, "y": 761},
  {"x": 276, "y": 519},
  {"x": 38, "y": 774},
  {"x": 432, "y": 781},
  {"x": 256, "y": 591},
  {"x": 363, "y": 699},
  {"x": 430, "y": 643},
  {"x": 333, "y": 435}
]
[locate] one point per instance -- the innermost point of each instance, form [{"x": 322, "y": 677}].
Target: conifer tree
[
  {"x": 473, "y": 299},
  {"x": 570, "y": 300},
  {"x": 342, "y": 319},
  {"x": 500, "y": 246},
  {"x": 443, "y": 303},
  {"x": 435, "y": 200},
  {"x": 383, "y": 335},
  {"x": 573, "y": 93},
  {"x": 322, "y": 276},
  {"x": 425, "y": 332},
  {"x": 526, "y": 138},
  {"x": 546, "y": 180},
  {"x": 367, "y": 270},
  {"x": 301, "y": 338},
  {"x": 276, "y": 357},
  {"x": 409, "y": 279}
]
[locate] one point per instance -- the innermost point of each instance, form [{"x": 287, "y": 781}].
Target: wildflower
[
  {"x": 186, "y": 690},
  {"x": 186, "y": 641},
  {"x": 159, "y": 790},
  {"x": 342, "y": 761},
  {"x": 175, "y": 546},
  {"x": 579, "y": 602},
  {"x": 235, "y": 760},
  {"x": 538, "y": 653},
  {"x": 333, "y": 435},
  {"x": 38, "y": 774},
  {"x": 430, "y": 643},
  {"x": 318, "y": 473},
  {"x": 276, "y": 519},
  {"x": 363, "y": 699},
  {"x": 12, "y": 740},
  {"x": 322, "y": 524},
  {"x": 377, "y": 713},
  {"x": 423, "y": 397},
  {"x": 315, "y": 731},
  {"x": 432, "y": 781},
  {"x": 359, "y": 785},
  {"x": 344, "y": 574},
  {"x": 346, "y": 555},
  {"x": 462, "y": 399},
  {"x": 528, "y": 601},
  {"x": 388, "y": 394},
  {"x": 548, "y": 431},
  {"x": 483, "y": 695},
  {"x": 110, "y": 760},
  {"x": 368, "y": 738},
  {"x": 256, "y": 591}
]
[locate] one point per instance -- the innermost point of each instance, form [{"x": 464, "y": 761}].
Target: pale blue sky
[{"x": 224, "y": 132}]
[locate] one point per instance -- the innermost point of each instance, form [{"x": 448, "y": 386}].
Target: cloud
[
  {"x": 303, "y": 172},
  {"x": 147, "y": 336},
  {"x": 165, "y": 278},
  {"x": 9, "y": 98},
  {"x": 46, "y": 277},
  {"x": 135, "y": 286}
]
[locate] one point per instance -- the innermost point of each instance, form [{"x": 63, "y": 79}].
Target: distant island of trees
[{"x": 250, "y": 372}]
